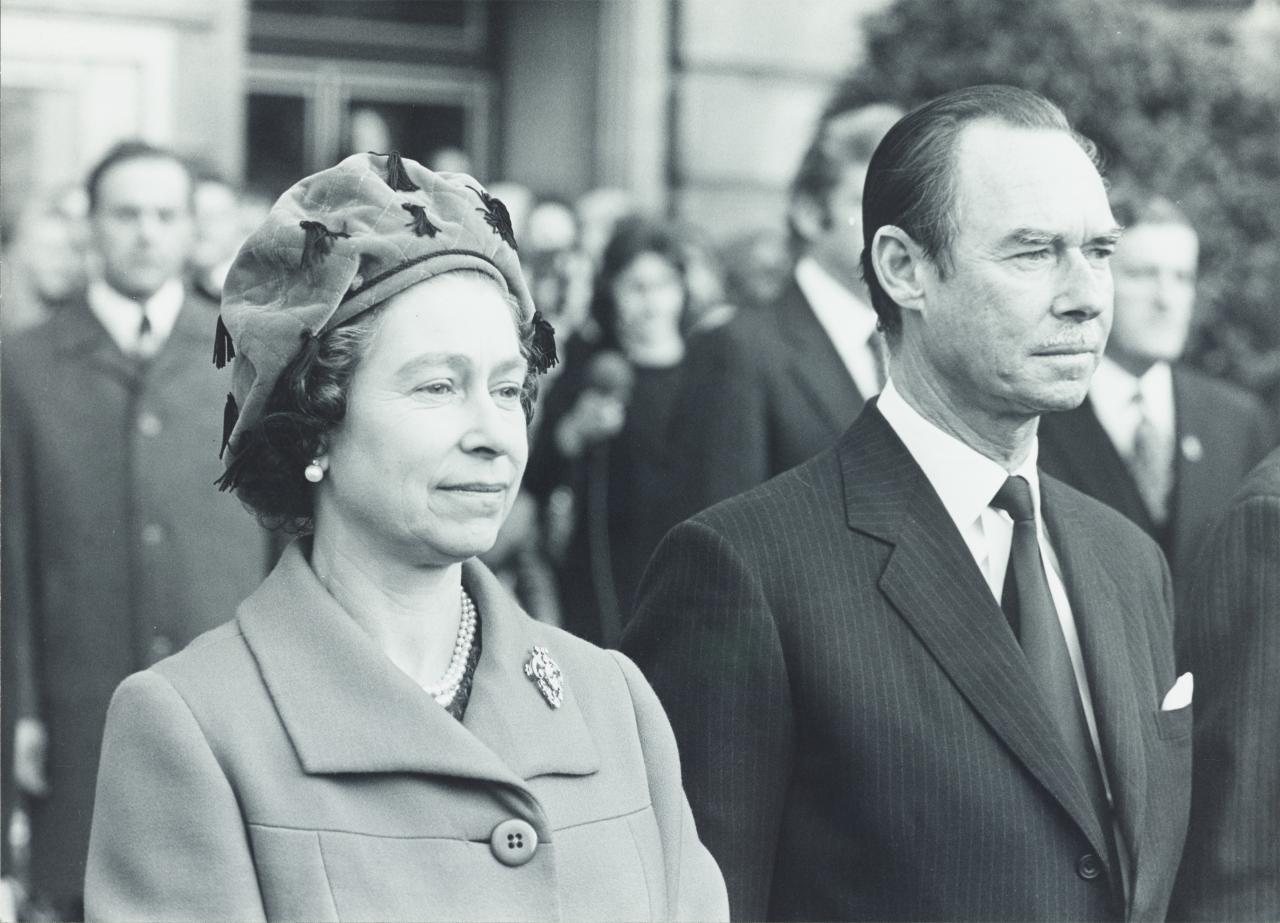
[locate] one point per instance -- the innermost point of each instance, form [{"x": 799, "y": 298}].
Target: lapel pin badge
[
  {"x": 1192, "y": 448},
  {"x": 546, "y": 674}
]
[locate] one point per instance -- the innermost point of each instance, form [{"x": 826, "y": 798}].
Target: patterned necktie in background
[{"x": 1151, "y": 463}]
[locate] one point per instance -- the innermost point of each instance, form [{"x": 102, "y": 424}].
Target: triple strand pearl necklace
[{"x": 447, "y": 687}]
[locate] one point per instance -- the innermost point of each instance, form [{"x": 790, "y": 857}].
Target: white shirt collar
[
  {"x": 848, "y": 321},
  {"x": 1112, "y": 390},
  {"x": 965, "y": 479},
  {"x": 121, "y": 315}
]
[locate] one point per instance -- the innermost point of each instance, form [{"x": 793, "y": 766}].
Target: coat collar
[
  {"x": 931, "y": 579},
  {"x": 814, "y": 362},
  {"x": 347, "y": 708},
  {"x": 78, "y": 333}
]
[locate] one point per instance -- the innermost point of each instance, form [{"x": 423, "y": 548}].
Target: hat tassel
[
  {"x": 223, "y": 349},
  {"x": 544, "y": 354},
  {"x": 230, "y": 414},
  {"x": 318, "y": 243},
  {"x": 421, "y": 224},
  {"x": 397, "y": 178}
]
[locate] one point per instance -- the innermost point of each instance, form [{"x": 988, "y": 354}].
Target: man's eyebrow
[
  {"x": 1038, "y": 237},
  {"x": 1033, "y": 237},
  {"x": 1108, "y": 237}
]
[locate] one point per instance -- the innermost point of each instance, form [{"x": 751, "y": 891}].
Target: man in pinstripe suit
[
  {"x": 1231, "y": 633},
  {"x": 875, "y": 723}
]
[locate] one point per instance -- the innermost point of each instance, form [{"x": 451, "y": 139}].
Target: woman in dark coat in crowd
[
  {"x": 381, "y": 733},
  {"x": 604, "y": 428}
]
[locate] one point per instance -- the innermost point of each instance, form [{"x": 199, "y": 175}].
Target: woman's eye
[
  {"x": 436, "y": 388},
  {"x": 508, "y": 393}
]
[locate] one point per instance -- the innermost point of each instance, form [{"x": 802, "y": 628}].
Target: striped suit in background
[
  {"x": 1231, "y": 632},
  {"x": 861, "y": 735}
]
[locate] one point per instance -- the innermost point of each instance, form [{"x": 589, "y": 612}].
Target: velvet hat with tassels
[{"x": 342, "y": 241}]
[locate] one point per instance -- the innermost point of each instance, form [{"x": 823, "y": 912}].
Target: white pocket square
[{"x": 1179, "y": 696}]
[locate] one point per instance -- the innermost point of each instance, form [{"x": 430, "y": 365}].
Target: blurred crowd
[{"x": 690, "y": 369}]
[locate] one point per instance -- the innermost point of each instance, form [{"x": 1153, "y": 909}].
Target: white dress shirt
[
  {"x": 848, "y": 321},
  {"x": 1112, "y": 392},
  {"x": 122, "y": 315},
  {"x": 966, "y": 481}
]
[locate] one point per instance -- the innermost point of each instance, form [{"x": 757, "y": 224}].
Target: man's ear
[
  {"x": 808, "y": 217},
  {"x": 900, "y": 264}
]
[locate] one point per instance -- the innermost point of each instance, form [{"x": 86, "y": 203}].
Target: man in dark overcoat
[
  {"x": 117, "y": 547},
  {"x": 913, "y": 678}
]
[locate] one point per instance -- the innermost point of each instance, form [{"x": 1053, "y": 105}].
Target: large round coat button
[
  {"x": 513, "y": 842},
  {"x": 1089, "y": 867}
]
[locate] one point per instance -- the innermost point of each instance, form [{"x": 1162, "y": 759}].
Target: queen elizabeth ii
[{"x": 380, "y": 732}]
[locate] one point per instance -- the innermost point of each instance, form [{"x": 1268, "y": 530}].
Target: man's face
[
  {"x": 1015, "y": 328},
  {"x": 838, "y": 247},
  {"x": 142, "y": 224},
  {"x": 1155, "y": 272}
]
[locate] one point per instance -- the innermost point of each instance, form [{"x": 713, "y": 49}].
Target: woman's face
[
  {"x": 426, "y": 463},
  {"x": 648, "y": 296}
]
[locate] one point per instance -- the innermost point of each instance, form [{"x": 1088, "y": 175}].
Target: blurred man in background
[
  {"x": 772, "y": 388},
  {"x": 43, "y": 266},
  {"x": 117, "y": 549},
  {"x": 1231, "y": 866},
  {"x": 1157, "y": 440}
]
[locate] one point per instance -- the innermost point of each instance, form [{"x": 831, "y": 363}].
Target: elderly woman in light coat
[{"x": 381, "y": 733}]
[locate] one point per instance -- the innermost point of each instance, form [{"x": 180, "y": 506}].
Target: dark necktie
[
  {"x": 143, "y": 342},
  {"x": 1035, "y": 619}
]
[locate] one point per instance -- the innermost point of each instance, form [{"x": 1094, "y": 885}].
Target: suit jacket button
[
  {"x": 1089, "y": 867},
  {"x": 513, "y": 842}
]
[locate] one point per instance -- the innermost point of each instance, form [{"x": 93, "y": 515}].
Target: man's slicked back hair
[
  {"x": 123, "y": 152},
  {"x": 911, "y": 181}
]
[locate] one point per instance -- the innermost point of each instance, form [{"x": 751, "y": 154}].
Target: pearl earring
[{"x": 313, "y": 472}]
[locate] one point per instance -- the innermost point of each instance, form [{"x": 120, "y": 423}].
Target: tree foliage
[{"x": 1169, "y": 107}]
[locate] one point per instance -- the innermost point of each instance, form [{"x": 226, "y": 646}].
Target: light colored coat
[{"x": 282, "y": 767}]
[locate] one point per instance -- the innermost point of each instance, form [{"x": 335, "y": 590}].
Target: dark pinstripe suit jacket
[
  {"x": 860, "y": 733},
  {"x": 761, "y": 394},
  {"x": 1231, "y": 868}
]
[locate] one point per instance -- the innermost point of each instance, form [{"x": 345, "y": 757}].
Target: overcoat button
[
  {"x": 513, "y": 842},
  {"x": 1089, "y": 867}
]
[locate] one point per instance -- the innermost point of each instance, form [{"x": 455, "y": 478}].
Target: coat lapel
[
  {"x": 81, "y": 336},
  {"x": 1193, "y": 475},
  {"x": 1088, "y": 459},
  {"x": 933, "y": 582},
  {"x": 1098, "y": 606},
  {"x": 814, "y": 362},
  {"x": 506, "y": 710},
  {"x": 347, "y": 708}
]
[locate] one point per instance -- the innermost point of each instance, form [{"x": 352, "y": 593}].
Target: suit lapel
[
  {"x": 933, "y": 582},
  {"x": 1193, "y": 477},
  {"x": 347, "y": 708},
  {"x": 1091, "y": 462},
  {"x": 813, "y": 362},
  {"x": 81, "y": 336},
  {"x": 1098, "y": 606}
]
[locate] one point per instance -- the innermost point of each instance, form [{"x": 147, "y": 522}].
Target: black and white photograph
[{"x": 617, "y": 460}]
